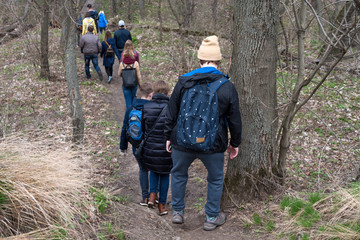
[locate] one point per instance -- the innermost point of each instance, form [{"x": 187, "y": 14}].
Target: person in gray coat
[{"x": 90, "y": 46}]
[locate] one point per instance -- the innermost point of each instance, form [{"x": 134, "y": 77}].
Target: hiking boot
[
  {"x": 162, "y": 209},
  {"x": 151, "y": 202},
  {"x": 212, "y": 222},
  {"x": 178, "y": 217},
  {"x": 100, "y": 75},
  {"x": 110, "y": 78},
  {"x": 144, "y": 202}
]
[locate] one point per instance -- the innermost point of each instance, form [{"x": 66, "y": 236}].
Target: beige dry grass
[
  {"x": 339, "y": 217},
  {"x": 45, "y": 184}
]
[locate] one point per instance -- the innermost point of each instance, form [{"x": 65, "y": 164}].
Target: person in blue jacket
[
  {"x": 145, "y": 93},
  {"x": 109, "y": 59},
  {"x": 102, "y": 21}
]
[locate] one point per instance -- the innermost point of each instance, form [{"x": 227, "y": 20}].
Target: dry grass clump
[
  {"x": 43, "y": 189},
  {"x": 338, "y": 217}
]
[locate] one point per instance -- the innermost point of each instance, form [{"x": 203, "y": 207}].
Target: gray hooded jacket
[{"x": 90, "y": 44}]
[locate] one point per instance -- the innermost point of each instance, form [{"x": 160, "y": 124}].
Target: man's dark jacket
[
  {"x": 121, "y": 36},
  {"x": 228, "y": 102},
  {"x": 155, "y": 156}
]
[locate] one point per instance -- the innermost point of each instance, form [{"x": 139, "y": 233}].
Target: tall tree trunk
[
  {"x": 214, "y": 7},
  {"x": 114, "y": 8},
  {"x": 253, "y": 70},
  {"x": 285, "y": 128},
  {"x": 129, "y": 11},
  {"x": 142, "y": 9},
  {"x": 71, "y": 75},
  {"x": 160, "y": 21},
  {"x": 44, "y": 42}
]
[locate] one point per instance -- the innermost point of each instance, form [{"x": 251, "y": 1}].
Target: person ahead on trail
[
  {"x": 108, "y": 52},
  {"x": 102, "y": 21},
  {"x": 88, "y": 21},
  {"x": 121, "y": 36},
  {"x": 129, "y": 62},
  {"x": 199, "y": 95},
  {"x": 155, "y": 156},
  {"x": 94, "y": 15},
  {"x": 145, "y": 93},
  {"x": 91, "y": 47}
]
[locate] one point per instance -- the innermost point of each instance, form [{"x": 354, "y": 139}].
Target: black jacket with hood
[
  {"x": 155, "y": 156},
  {"x": 228, "y": 102}
]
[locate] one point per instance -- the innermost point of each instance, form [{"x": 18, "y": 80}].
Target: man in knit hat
[{"x": 212, "y": 157}]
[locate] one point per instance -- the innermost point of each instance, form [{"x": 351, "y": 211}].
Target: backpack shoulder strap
[
  {"x": 107, "y": 43},
  {"x": 214, "y": 86},
  {"x": 157, "y": 119}
]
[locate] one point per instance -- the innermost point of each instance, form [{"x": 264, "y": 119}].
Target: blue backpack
[
  {"x": 198, "y": 120},
  {"x": 134, "y": 132}
]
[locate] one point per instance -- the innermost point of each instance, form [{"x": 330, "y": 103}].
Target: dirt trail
[{"x": 142, "y": 223}]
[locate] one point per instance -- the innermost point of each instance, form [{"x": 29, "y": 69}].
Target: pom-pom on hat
[
  {"x": 209, "y": 49},
  {"x": 121, "y": 23}
]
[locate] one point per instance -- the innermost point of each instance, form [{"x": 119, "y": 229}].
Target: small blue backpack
[
  {"x": 134, "y": 132},
  {"x": 198, "y": 120}
]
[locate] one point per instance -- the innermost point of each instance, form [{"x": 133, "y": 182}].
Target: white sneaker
[{"x": 122, "y": 152}]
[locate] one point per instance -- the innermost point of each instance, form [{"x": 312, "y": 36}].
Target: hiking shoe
[
  {"x": 212, "y": 222},
  {"x": 110, "y": 78},
  {"x": 162, "y": 209},
  {"x": 178, "y": 217},
  {"x": 151, "y": 202},
  {"x": 122, "y": 152},
  {"x": 144, "y": 202},
  {"x": 100, "y": 75}
]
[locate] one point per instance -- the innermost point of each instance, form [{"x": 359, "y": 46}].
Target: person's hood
[
  {"x": 160, "y": 97},
  {"x": 138, "y": 103},
  {"x": 209, "y": 74}
]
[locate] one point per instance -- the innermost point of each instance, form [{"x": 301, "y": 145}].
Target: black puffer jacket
[
  {"x": 229, "y": 113},
  {"x": 155, "y": 156}
]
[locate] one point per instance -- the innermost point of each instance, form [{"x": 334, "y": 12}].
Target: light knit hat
[{"x": 209, "y": 49}]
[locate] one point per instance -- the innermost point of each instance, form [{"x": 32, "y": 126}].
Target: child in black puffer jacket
[{"x": 155, "y": 156}]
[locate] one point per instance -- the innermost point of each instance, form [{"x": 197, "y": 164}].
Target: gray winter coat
[{"x": 90, "y": 44}]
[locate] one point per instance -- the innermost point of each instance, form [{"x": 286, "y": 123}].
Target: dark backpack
[
  {"x": 134, "y": 132},
  {"x": 109, "y": 51},
  {"x": 129, "y": 76},
  {"x": 198, "y": 120}
]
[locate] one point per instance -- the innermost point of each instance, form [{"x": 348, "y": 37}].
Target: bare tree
[
  {"x": 71, "y": 72},
  {"x": 142, "y": 8},
  {"x": 44, "y": 42},
  {"x": 253, "y": 71},
  {"x": 160, "y": 20}
]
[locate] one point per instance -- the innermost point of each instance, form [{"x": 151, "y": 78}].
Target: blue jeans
[
  {"x": 94, "y": 59},
  {"x": 143, "y": 178},
  {"x": 129, "y": 95},
  {"x": 159, "y": 182},
  {"x": 214, "y": 163}
]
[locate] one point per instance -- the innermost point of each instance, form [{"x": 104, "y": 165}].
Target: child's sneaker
[
  {"x": 212, "y": 222},
  {"x": 178, "y": 217},
  {"x": 144, "y": 202},
  {"x": 122, "y": 152},
  {"x": 110, "y": 78}
]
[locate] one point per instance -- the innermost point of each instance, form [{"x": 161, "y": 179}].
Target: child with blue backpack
[
  {"x": 131, "y": 132},
  {"x": 154, "y": 154}
]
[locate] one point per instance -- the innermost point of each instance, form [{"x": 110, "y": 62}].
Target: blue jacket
[
  {"x": 109, "y": 61},
  {"x": 138, "y": 103},
  {"x": 229, "y": 112},
  {"x": 102, "y": 20}
]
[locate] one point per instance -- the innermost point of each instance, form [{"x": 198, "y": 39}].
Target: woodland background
[{"x": 60, "y": 173}]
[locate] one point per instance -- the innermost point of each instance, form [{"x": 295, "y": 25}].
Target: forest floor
[{"x": 323, "y": 156}]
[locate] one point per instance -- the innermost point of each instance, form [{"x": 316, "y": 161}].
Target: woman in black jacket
[{"x": 155, "y": 156}]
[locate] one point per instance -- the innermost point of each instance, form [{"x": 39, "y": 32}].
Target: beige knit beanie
[{"x": 209, "y": 49}]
